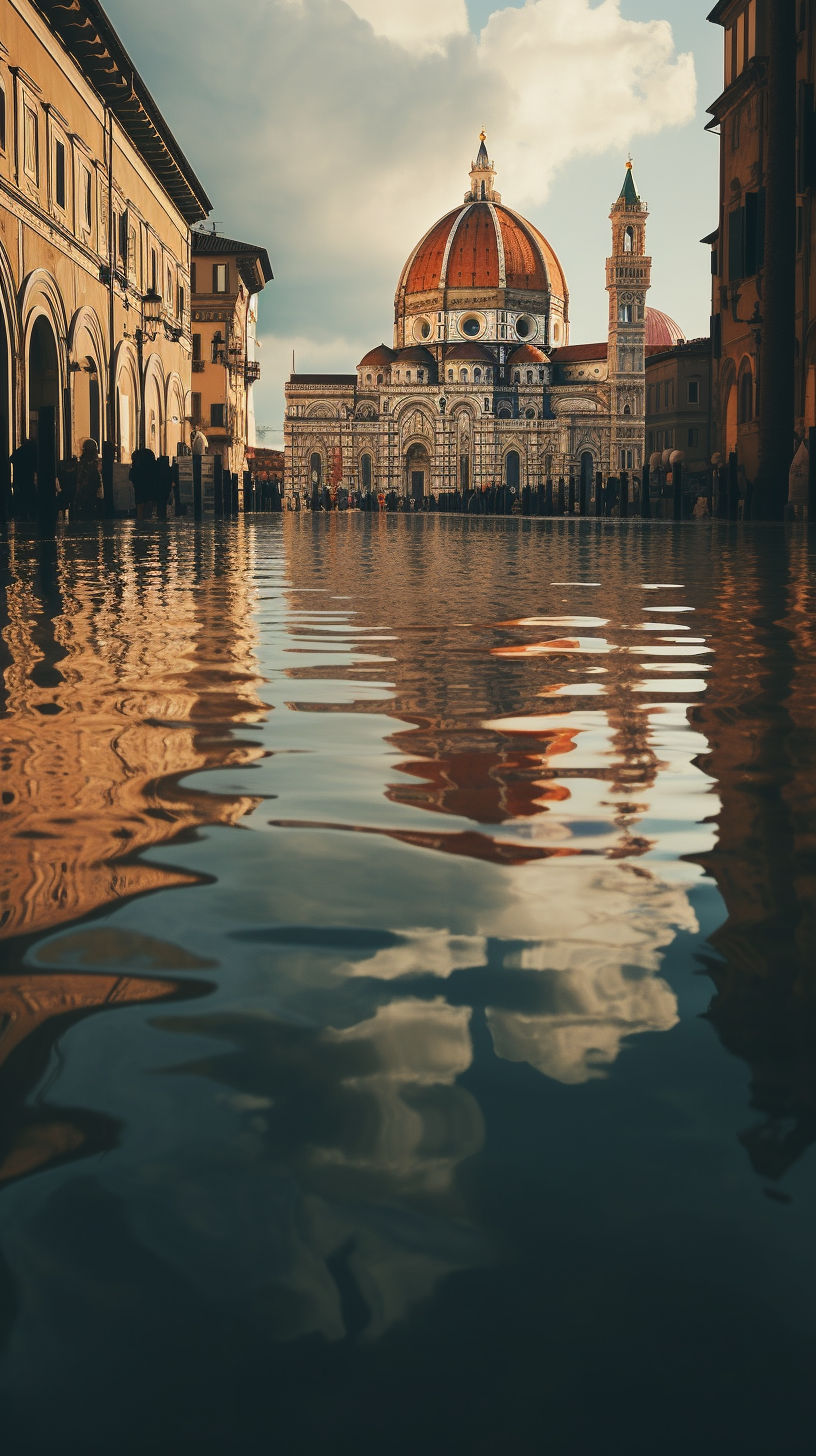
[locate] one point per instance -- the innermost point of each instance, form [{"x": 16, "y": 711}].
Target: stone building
[
  {"x": 763, "y": 250},
  {"x": 96, "y": 206},
  {"x": 482, "y": 384},
  {"x": 678, "y": 402},
  {"x": 227, "y": 277}
]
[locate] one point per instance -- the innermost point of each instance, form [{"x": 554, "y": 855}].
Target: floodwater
[{"x": 407, "y": 1008}]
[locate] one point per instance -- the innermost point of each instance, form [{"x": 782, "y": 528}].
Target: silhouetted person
[
  {"x": 164, "y": 485},
  {"x": 67, "y": 479},
  {"x": 24, "y": 485},
  {"x": 88, "y": 483},
  {"x": 142, "y": 476}
]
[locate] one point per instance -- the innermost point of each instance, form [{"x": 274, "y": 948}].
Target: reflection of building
[
  {"x": 135, "y": 717},
  {"x": 97, "y": 202},
  {"x": 678, "y": 402},
  {"x": 764, "y": 324},
  {"x": 227, "y": 277},
  {"x": 482, "y": 384},
  {"x": 757, "y": 717}
]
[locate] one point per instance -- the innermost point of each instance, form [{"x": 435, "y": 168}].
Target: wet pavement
[{"x": 408, "y": 987}]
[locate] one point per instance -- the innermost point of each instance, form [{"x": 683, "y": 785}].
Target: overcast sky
[{"x": 335, "y": 132}]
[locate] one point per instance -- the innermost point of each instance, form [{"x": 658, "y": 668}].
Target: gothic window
[
  {"x": 627, "y": 409},
  {"x": 315, "y": 470},
  {"x": 463, "y": 374},
  {"x": 420, "y": 376},
  {"x": 379, "y": 379},
  {"x": 487, "y": 406},
  {"x": 529, "y": 376},
  {"x": 625, "y": 313},
  {"x": 368, "y": 379},
  {"x": 746, "y": 396},
  {"x": 477, "y": 376},
  {"x": 629, "y": 240},
  {"x": 407, "y": 376},
  {"x": 450, "y": 376},
  {"x": 517, "y": 376}
]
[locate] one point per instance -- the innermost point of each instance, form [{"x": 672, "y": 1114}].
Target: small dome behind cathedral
[
  {"x": 472, "y": 352},
  {"x": 661, "y": 331},
  {"x": 378, "y": 357},
  {"x": 527, "y": 354}
]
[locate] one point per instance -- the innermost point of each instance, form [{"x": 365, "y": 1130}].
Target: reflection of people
[
  {"x": 142, "y": 475},
  {"x": 88, "y": 483}
]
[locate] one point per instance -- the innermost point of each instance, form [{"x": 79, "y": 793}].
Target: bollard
[
  {"x": 811, "y": 500},
  {"x": 733, "y": 487},
  {"x": 677, "y": 486},
  {"x": 218, "y": 486},
  {"x": 561, "y": 502},
  {"x": 197, "y": 487},
  {"x": 624, "y": 493},
  {"x": 47, "y": 467},
  {"x": 645, "y": 492},
  {"x": 571, "y": 496}
]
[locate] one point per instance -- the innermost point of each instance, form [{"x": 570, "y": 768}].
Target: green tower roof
[{"x": 629, "y": 192}]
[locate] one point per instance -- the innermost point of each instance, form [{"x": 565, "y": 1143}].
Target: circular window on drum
[
  {"x": 422, "y": 329},
  {"x": 471, "y": 326},
  {"x": 525, "y": 327}
]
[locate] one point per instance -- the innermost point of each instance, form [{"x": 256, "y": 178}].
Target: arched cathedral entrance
[
  {"x": 43, "y": 373},
  {"x": 418, "y": 470}
]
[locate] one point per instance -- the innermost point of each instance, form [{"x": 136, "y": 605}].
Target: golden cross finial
[{"x": 482, "y": 135}]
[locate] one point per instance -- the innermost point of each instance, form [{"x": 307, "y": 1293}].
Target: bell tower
[{"x": 628, "y": 279}]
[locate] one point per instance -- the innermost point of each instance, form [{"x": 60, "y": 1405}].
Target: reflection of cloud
[
  {"x": 352, "y": 1139},
  {"x": 601, "y": 955},
  {"x": 424, "y": 952}
]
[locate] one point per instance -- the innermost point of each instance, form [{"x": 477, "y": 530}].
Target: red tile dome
[
  {"x": 482, "y": 245},
  {"x": 472, "y": 352},
  {"x": 527, "y": 354},
  {"x": 662, "y": 331},
  {"x": 378, "y": 357}
]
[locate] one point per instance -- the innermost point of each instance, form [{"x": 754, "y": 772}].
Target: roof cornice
[{"x": 86, "y": 33}]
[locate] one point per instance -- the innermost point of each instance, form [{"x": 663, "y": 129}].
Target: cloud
[{"x": 421, "y": 26}]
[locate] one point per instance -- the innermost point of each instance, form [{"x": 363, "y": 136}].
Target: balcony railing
[{"x": 252, "y": 373}]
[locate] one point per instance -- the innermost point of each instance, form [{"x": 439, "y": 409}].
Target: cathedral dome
[
  {"x": 661, "y": 331},
  {"x": 482, "y": 272}
]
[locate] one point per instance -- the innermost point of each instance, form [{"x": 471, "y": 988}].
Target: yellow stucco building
[{"x": 96, "y": 207}]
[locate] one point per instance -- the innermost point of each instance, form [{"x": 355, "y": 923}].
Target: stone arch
[
  {"x": 45, "y": 327},
  {"x": 512, "y": 468},
  {"x": 174, "y": 414},
  {"x": 126, "y": 400},
  {"x": 321, "y": 412},
  {"x": 365, "y": 467},
  {"x": 728, "y": 406},
  {"x": 88, "y": 367},
  {"x": 154, "y": 401},
  {"x": 9, "y": 348},
  {"x": 418, "y": 465},
  {"x": 745, "y": 391}
]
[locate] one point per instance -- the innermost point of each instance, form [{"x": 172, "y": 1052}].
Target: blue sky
[{"x": 336, "y": 131}]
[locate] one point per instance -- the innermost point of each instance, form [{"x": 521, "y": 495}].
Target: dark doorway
[
  {"x": 43, "y": 373},
  {"x": 419, "y": 470},
  {"x": 316, "y": 471},
  {"x": 512, "y": 470},
  {"x": 365, "y": 472},
  {"x": 587, "y": 472}
]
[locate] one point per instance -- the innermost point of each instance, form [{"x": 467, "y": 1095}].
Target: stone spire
[
  {"x": 629, "y": 193},
  {"x": 482, "y": 173}
]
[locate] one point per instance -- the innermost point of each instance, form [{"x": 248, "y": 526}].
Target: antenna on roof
[{"x": 293, "y": 361}]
